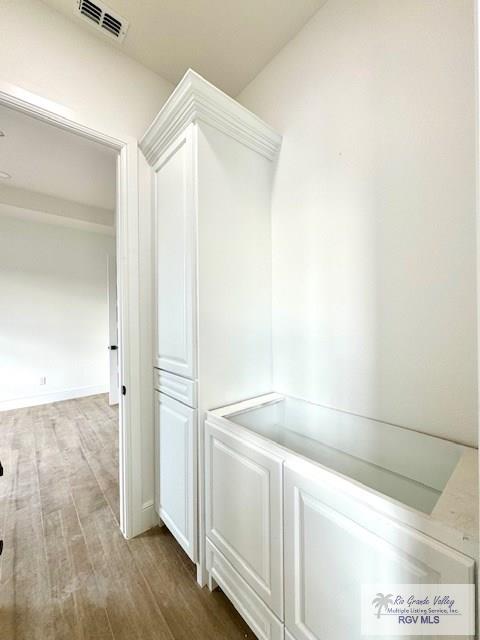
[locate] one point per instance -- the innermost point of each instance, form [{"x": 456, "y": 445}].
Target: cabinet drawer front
[
  {"x": 174, "y": 207},
  {"x": 334, "y": 544},
  {"x": 176, "y": 470},
  {"x": 244, "y": 511},
  {"x": 175, "y": 386},
  {"x": 253, "y": 610}
]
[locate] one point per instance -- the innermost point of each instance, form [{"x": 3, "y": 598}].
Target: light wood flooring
[{"x": 66, "y": 571}]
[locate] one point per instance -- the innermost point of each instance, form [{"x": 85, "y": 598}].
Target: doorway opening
[
  {"x": 124, "y": 153},
  {"x": 59, "y": 380}
]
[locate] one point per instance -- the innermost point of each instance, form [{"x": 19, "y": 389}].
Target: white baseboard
[
  {"x": 56, "y": 396},
  {"x": 149, "y": 516}
]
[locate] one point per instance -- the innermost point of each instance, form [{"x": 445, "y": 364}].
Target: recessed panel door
[
  {"x": 177, "y": 470},
  {"x": 334, "y": 544},
  {"x": 244, "y": 511},
  {"x": 175, "y": 258}
]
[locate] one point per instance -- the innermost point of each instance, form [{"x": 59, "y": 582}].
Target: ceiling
[
  {"x": 48, "y": 160},
  {"x": 226, "y": 41}
]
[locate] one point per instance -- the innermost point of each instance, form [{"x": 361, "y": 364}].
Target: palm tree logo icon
[{"x": 382, "y": 602}]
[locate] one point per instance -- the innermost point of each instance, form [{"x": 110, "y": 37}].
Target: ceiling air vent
[{"x": 102, "y": 18}]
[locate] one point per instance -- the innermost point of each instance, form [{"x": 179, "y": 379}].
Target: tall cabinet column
[{"x": 213, "y": 164}]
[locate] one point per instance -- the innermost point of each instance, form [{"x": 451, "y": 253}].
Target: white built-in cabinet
[
  {"x": 289, "y": 542},
  {"x": 334, "y": 544},
  {"x": 286, "y": 540},
  {"x": 212, "y": 165}
]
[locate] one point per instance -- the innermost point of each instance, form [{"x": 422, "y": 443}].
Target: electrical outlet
[{"x": 43, "y": 380}]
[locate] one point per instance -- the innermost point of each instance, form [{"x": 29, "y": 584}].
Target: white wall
[
  {"x": 373, "y": 212},
  {"x": 45, "y": 53},
  {"x": 54, "y": 320}
]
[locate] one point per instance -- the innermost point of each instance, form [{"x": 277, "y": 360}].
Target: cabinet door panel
[
  {"x": 244, "y": 511},
  {"x": 176, "y": 470},
  {"x": 175, "y": 258},
  {"x": 334, "y": 544}
]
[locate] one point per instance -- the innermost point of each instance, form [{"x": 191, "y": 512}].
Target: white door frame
[
  {"x": 131, "y": 521},
  {"x": 113, "y": 359}
]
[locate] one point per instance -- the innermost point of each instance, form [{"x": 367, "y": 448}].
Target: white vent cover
[{"x": 100, "y": 16}]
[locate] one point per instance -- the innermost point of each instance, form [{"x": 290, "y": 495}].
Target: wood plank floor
[{"x": 66, "y": 571}]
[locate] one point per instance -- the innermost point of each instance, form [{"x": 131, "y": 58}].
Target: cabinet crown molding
[{"x": 195, "y": 99}]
